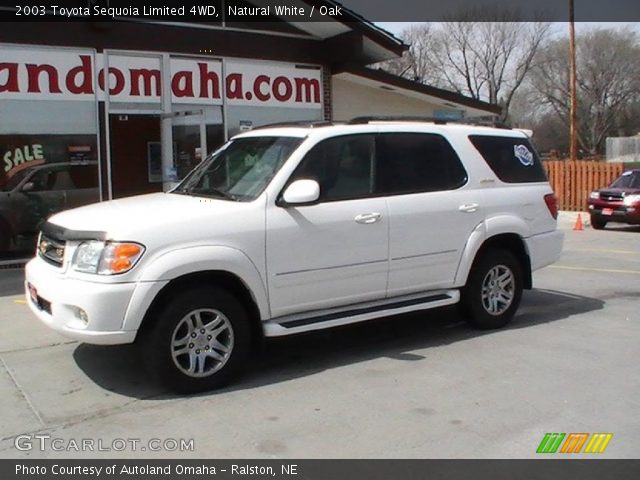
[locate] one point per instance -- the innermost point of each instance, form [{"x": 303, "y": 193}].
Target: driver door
[
  {"x": 46, "y": 196},
  {"x": 334, "y": 252}
]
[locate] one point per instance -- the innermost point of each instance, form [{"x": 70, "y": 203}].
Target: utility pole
[{"x": 573, "y": 86}]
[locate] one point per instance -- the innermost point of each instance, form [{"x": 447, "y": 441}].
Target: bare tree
[
  {"x": 486, "y": 60},
  {"x": 608, "y": 82},
  {"x": 415, "y": 64}
]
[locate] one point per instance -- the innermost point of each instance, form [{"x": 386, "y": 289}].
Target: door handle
[
  {"x": 368, "y": 218},
  {"x": 469, "y": 207}
]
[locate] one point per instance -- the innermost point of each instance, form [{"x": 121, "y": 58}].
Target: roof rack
[
  {"x": 435, "y": 120},
  {"x": 299, "y": 123}
]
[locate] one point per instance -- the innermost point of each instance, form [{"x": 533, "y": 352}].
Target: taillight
[{"x": 552, "y": 204}]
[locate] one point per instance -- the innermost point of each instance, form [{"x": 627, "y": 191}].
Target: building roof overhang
[{"x": 390, "y": 82}]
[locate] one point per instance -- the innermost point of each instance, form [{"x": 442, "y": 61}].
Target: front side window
[
  {"x": 15, "y": 180},
  {"x": 48, "y": 179},
  {"x": 344, "y": 167},
  {"x": 240, "y": 170}
]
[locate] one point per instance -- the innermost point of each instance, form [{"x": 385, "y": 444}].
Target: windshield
[
  {"x": 15, "y": 180},
  {"x": 629, "y": 179},
  {"x": 240, "y": 170}
]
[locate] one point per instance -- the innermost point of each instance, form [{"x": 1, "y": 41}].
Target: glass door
[{"x": 185, "y": 134}]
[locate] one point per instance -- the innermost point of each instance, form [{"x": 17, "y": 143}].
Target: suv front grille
[
  {"x": 51, "y": 250},
  {"x": 611, "y": 196}
]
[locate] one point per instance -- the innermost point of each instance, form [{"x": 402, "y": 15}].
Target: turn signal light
[{"x": 119, "y": 257}]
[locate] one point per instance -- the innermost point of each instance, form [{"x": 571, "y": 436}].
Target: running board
[{"x": 334, "y": 317}]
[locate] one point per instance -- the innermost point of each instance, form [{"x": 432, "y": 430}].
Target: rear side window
[
  {"x": 416, "y": 162},
  {"x": 513, "y": 160},
  {"x": 84, "y": 176}
]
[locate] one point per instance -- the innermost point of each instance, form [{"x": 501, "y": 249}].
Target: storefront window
[
  {"x": 242, "y": 118},
  {"x": 48, "y": 141},
  {"x": 187, "y": 135}
]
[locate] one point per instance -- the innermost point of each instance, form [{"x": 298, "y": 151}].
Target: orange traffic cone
[{"x": 578, "y": 226}]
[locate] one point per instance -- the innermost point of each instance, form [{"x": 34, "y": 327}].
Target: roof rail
[
  {"x": 395, "y": 118},
  {"x": 299, "y": 123},
  {"x": 436, "y": 120}
]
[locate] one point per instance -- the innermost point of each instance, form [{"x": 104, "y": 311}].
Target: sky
[{"x": 397, "y": 27}]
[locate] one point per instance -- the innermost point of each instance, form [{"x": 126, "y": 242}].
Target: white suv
[{"x": 289, "y": 229}]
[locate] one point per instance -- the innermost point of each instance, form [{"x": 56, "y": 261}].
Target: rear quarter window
[{"x": 512, "y": 159}]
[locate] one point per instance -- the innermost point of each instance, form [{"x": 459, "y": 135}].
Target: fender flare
[
  {"x": 484, "y": 231},
  {"x": 184, "y": 261}
]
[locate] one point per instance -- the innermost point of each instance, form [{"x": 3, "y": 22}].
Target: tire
[
  {"x": 598, "y": 223},
  {"x": 200, "y": 340},
  {"x": 5, "y": 237},
  {"x": 487, "y": 310},
  {"x": 4, "y": 242}
]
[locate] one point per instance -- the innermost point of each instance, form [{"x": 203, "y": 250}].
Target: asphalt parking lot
[{"x": 417, "y": 386}]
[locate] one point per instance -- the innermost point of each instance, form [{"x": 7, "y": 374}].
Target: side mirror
[
  {"x": 28, "y": 187},
  {"x": 301, "y": 192}
]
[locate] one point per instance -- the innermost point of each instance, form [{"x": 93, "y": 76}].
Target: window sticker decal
[{"x": 524, "y": 155}]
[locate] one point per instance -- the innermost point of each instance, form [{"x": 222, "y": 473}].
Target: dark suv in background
[
  {"x": 34, "y": 194},
  {"x": 619, "y": 202}
]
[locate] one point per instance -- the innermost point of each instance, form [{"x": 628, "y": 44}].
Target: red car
[{"x": 619, "y": 202}]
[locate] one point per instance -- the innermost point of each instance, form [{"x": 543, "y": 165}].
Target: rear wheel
[
  {"x": 598, "y": 223},
  {"x": 200, "y": 340},
  {"x": 494, "y": 290}
]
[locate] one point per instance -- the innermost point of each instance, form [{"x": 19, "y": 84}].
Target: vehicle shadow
[
  {"x": 119, "y": 369},
  {"x": 622, "y": 227}
]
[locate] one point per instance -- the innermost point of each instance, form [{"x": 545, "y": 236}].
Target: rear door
[{"x": 432, "y": 209}]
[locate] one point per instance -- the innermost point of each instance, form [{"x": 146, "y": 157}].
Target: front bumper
[
  {"x": 616, "y": 212},
  {"x": 60, "y": 299}
]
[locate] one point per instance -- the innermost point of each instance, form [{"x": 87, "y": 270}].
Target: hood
[{"x": 140, "y": 217}]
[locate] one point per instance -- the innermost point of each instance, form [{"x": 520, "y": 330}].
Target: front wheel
[
  {"x": 199, "y": 341},
  {"x": 494, "y": 290},
  {"x": 597, "y": 223}
]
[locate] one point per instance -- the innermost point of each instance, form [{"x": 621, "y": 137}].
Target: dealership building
[{"x": 147, "y": 100}]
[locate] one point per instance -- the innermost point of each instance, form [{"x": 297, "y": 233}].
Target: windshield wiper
[
  {"x": 221, "y": 193},
  {"x": 206, "y": 192}
]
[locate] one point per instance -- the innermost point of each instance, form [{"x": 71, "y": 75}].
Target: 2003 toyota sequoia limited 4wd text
[{"x": 288, "y": 229}]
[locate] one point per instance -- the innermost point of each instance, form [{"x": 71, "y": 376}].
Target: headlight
[
  {"x": 106, "y": 258},
  {"x": 631, "y": 199},
  {"x": 87, "y": 257},
  {"x": 594, "y": 195}
]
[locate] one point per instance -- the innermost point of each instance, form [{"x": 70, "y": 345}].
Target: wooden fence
[{"x": 573, "y": 181}]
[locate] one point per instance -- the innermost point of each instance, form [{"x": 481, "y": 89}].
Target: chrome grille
[
  {"x": 51, "y": 250},
  {"x": 611, "y": 196}
]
